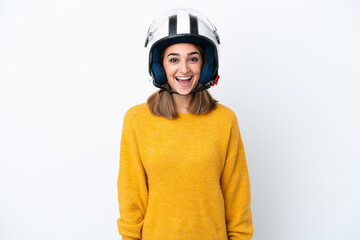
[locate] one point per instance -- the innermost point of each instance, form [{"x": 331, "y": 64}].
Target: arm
[
  {"x": 235, "y": 186},
  {"x": 132, "y": 184}
]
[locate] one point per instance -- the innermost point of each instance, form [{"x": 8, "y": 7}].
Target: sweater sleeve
[
  {"x": 131, "y": 184},
  {"x": 235, "y": 185}
]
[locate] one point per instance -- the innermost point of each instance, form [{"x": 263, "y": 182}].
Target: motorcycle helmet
[{"x": 183, "y": 26}]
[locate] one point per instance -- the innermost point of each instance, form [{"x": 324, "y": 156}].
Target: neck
[{"x": 182, "y": 102}]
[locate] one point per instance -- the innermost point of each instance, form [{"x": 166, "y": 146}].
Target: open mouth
[{"x": 183, "y": 81}]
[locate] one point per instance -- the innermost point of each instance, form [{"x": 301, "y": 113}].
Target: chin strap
[{"x": 203, "y": 87}]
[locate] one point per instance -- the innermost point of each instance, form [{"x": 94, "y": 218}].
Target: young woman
[{"x": 183, "y": 172}]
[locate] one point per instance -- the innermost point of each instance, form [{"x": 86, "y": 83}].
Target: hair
[{"x": 161, "y": 103}]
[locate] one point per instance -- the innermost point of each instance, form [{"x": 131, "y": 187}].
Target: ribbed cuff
[{"x": 128, "y": 238}]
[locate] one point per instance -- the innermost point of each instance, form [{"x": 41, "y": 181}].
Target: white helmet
[{"x": 183, "y": 26}]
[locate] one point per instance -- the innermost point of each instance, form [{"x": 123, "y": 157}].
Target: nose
[{"x": 184, "y": 68}]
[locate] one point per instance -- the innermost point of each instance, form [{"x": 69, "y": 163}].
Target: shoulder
[
  {"x": 224, "y": 112},
  {"x": 136, "y": 112},
  {"x": 228, "y": 118}
]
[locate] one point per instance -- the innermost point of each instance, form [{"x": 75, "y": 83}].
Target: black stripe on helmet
[
  {"x": 194, "y": 25},
  {"x": 173, "y": 25}
]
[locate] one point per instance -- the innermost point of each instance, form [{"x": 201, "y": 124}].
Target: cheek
[
  {"x": 197, "y": 69},
  {"x": 168, "y": 70}
]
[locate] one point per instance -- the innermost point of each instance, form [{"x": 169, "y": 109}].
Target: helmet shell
[{"x": 182, "y": 26}]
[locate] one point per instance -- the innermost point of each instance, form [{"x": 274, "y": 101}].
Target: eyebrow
[{"x": 177, "y": 54}]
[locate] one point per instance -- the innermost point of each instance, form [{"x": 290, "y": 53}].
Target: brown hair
[{"x": 162, "y": 103}]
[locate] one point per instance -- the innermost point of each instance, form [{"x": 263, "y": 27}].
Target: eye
[
  {"x": 194, "y": 59},
  {"x": 173, "y": 60}
]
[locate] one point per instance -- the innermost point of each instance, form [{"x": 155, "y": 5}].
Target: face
[{"x": 182, "y": 63}]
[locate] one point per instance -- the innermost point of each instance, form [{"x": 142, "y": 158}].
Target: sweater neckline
[{"x": 185, "y": 114}]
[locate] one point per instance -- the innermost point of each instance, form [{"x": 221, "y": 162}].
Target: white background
[{"x": 70, "y": 69}]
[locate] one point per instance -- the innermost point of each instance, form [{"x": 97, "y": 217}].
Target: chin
[{"x": 184, "y": 92}]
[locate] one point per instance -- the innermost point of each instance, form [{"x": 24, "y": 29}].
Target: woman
[{"x": 183, "y": 172}]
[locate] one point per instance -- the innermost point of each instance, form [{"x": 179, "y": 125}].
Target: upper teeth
[{"x": 183, "y": 78}]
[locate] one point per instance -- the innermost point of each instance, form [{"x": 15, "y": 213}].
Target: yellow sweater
[{"x": 183, "y": 179}]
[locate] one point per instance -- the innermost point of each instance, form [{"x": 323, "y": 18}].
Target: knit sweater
[{"x": 183, "y": 179}]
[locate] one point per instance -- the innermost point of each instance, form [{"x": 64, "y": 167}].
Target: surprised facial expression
[{"x": 182, "y": 63}]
